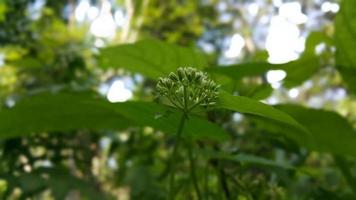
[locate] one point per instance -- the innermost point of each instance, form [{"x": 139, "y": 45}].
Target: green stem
[
  {"x": 179, "y": 100},
  {"x": 192, "y": 170},
  {"x": 173, "y": 159},
  {"x": 222, "y": 176},
  {"x": 195, "y": 105},
  {"x": 345, "y": 169},
  {"x": 185, "y": 99},
  {"x": 172, "y": 102},
  {"x": 223, "y": 182},
  {"x": 206, "y": 171}
]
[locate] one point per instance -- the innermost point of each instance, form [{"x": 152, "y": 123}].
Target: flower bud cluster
[{"x": 188, "y": 88}]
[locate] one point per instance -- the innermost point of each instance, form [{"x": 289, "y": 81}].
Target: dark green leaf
[
  {"x": 249, "y": 106},
  {"x": 151, "y": 58},
  {"x": 71, "y": 111},
  {"x": 297, "y": 71},
  {"x": 61, "y": 112},
  {"x": 345, "y": 40},
  {"x": 329, "y": 131},
  {"x": 145, "y": 114},
  {"x": 260, "y": 92}
]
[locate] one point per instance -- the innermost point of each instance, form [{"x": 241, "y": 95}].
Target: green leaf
[
  {"x": 247, "y": 159},
  {"x": 345, "y": 40},
  {"x": 3, "y": 10},
  {"x": 315, "y": 38},
  {"x": 144, "y": 184},
  {"x": 26, "y": 62},
  {"x": 151, "y": 58},
  {"x": 72, "y": 111},
  {"x": 297, "y": 71},
  {"x": 260, "y": 92},
  {"x": 59, "y": 112},
  {"x": 249, "y": 106},
  {"x": 300, "y": 70},
  {"x": 157, "y": 116},
  {"x": 59, "y": 181},
  {"x": 242, "y": 70},
  {"x": 329, "y": 131}
]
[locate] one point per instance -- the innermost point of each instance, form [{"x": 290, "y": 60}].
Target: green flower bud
[
  {"x": 181, "y": 74},
  {"x": 188, "y": 88},
  {"x": 173, "y": 76}
]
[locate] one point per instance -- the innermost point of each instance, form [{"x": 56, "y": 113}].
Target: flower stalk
[{"x": 186, "y": 90}]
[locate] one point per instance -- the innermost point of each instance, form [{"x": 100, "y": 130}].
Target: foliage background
[{"x": 78, "y": 111}]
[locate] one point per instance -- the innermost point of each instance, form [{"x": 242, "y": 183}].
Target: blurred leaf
[
  {"x": 143, "y": 184},
  {"x": 3, "y": 9},
  {"x": 247, "y": 159},
  {"x": 345, "y": 40},
  {"x": 297, "y": 71},
  {"x": 348, "y": 75},
  {"x": 30, "y": 183},
  {"x": 144, "y": 113},
  {"x": 3, "y": 188},
  {"x": 329, "y": 131},
  {"x": 315, "y": 38},
  {"x": 239, "y": 71},
  {"x": 151, "y": 58},
  {"x": 249, "y": 106},
  {"x": 26, "y": 62},
  {"x": 300, "y": 70},
  {"x": 260, "y": 92},
  {"x": 13, "y": 52},
  {"x": 59, "y": 181},
  {"x": 61, "y": 112},
  {"x": 71, "y": 111}
]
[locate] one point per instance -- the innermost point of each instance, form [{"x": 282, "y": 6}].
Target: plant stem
[
  {"x": 341, "y": 162},
  {"x": 173, "y": 159},
  {"x": 206, "y": 171},
  {"x": 222, "y": 177},
  {"x": 192, "y": 169},
  {"x": 185, "y": 99},
  {"x": 223, "y": 182}
]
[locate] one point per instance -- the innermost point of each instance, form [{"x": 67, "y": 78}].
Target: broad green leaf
[
  {"x": 329, "y": 131},
  {"x": 151, "y": 58},
  {"x": 345, "y": 40},
  {"x": 257, "y": 92},
  {"x": 71, "y": 111},
  {"x": 59, "y": 112},
  {"x": 348, "y": 75},
  {"x": 157, "y": 116},
  {"x": 249, "y": 106},
  {"x": 297, "y": 71},
  {"x": 300, "y": 70},
  {"x": 239, "y": 71}
]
